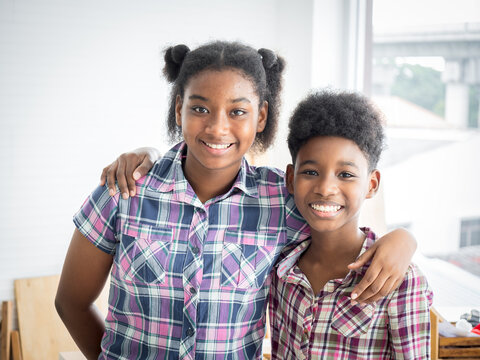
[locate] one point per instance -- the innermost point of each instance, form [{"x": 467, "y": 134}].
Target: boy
[{"x": 335, "y": 140}]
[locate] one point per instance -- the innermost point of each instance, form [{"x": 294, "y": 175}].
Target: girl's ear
[
  {"x": 374, "y": 184},
  {"x": 178, "y": 110},
  {"x": 290, "y": 177},
  {"x": 262, "y": 117}
]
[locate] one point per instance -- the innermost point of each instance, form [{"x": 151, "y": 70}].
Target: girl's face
[{"x": 220, "y": 116}]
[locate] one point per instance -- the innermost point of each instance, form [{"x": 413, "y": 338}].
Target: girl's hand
[
  {"x": 390, "y": 255},
  {"x": 128, "y": 168}
]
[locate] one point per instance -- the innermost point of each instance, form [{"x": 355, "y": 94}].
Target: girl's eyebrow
[
  {"x": 202, "y": 98},
  {"x": 197, "y": 97}
]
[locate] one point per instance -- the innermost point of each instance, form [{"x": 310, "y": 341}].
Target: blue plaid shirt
[{"x": 190, "y": 279}]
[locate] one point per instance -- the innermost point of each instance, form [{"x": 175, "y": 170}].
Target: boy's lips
[{"x": 326, "y": 209}]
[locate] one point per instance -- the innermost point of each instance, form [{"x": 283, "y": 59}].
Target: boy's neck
[{"x": 330, "y": 253}]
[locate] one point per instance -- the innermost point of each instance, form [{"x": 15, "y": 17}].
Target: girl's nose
[{"x": 218, "y": 124}]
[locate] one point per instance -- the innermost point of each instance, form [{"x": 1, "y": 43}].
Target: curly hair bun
[
  {"x": 269, "y": 58},
  {"x": 174, "y": 57}
]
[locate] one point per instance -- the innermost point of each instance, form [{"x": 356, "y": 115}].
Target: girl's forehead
[{"x": 228, "y": 79}]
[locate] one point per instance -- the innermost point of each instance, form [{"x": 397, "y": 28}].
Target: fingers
[
  {"x": 111, "y": 174},
  {"x": 389, "y": 286},
  {"x": 363, "y": 259},
  {"x": 143, "y": 168},
  {"x": 130, "y": 178},
  {"x": 103, "y": 177},
  {"x": 370, "y": 284},
  {"x": 122, "y": 177}
]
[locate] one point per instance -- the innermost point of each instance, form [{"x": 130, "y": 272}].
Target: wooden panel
[
  {"x": 6, "y": 330},
  {"x": 459, "y": 352},
  {"x": 42, "y": 332},
  {"x": 16, "y": 348},
  {"x": 460, "y": 341}
]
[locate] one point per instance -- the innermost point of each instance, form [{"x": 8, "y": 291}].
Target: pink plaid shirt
[{"x": 327, "y": 326}]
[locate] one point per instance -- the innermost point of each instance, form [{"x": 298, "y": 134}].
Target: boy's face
[{"x": 330, "y": 181}]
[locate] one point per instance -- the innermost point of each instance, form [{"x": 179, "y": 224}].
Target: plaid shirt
[
  {"x": 327, "y": 326},
  {"x": 190, "y": 280}
]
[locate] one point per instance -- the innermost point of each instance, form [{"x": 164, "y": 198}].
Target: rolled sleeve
[{"x": 96, "y": 219}]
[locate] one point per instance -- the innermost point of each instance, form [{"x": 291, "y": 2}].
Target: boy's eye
[
  {"x": 310, "y": 172},
  {"x": 199, "y": 109},
  {"x": 346, "y": 175}
]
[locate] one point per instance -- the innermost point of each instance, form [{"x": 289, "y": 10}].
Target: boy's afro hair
[{"x": 343, "y": 114}]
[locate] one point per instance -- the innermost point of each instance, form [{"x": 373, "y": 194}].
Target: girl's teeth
[
  {"x": 326, "y": 208},
  {"x": 217, "y": 146}
]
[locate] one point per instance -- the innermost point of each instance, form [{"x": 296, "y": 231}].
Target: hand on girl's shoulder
[{"x": 128, "y": 168}]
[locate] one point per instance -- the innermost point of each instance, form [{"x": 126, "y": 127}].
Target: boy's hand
[
  {"x": 391, "y": 255},
  {"x": 127, "y": 168}
]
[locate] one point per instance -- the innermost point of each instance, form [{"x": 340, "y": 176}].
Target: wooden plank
[
  {"x": 459, "y": 352},
  {"x": 6, "y": 330},
  {"x": 434, "y": 339},
  {"x": 42, "y": 331},
  {"x": 460, "y": 341},
  {"x": 16, "y": 348}
]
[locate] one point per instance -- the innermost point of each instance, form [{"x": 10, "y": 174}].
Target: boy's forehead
[{"x": 331, "y": 150}]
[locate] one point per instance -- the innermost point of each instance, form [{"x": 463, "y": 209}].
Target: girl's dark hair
[{"x": 263, "y": 68}]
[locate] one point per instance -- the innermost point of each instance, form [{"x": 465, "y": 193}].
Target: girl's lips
[{"x": 214, "y": 146}]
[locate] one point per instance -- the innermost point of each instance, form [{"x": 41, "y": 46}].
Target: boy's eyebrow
[
  {"x": 341, "y": 163},
  {"x": 348, "y": 163},
  {"x": 308, "y": 162}
]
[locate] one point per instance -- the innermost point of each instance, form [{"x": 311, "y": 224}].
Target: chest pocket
[
  {"x": 248, "y": 257},
  {"x": 352, "y": 320},
  {"x": 144, "y": 253}
]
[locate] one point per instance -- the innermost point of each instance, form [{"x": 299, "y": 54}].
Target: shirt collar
[
  {"x": 291, "y": 259},
  {"x": 167, "y": 175}
]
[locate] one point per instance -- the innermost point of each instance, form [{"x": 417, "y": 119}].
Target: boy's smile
[
  {"x": 220, "y": 117},
  {"x": 330, "y": 180}
]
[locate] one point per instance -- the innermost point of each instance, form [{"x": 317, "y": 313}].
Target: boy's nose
[
  {"x": 218, "y": 124},
  {"x": 326, "y": 185}
]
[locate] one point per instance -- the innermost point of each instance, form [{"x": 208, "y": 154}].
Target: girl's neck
[{"x": 207, "y": 183}]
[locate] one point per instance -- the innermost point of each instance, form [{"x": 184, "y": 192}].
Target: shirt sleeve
[
  {"x": 409, "y": 316},
  {"x": 97, "y": 217},
  {"x": 297, "y": 228}
]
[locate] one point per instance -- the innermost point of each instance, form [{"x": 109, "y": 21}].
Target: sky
[{"x": 391, "y": 15}]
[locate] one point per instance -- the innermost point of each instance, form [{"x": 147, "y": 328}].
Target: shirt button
[
  {"x": 195, "y": 250},
  {"x": 190, "y": 332},
  {"x": 193, "y": 290}
]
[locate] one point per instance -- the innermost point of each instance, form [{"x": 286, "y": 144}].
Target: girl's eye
[
  {"x": 199, "y": 109},
  {"x": 238, "y": 112}
]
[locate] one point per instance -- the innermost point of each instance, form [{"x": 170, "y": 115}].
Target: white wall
[
  {"x": 80, "y": 83},
  {"x": 434, "y": 191}
]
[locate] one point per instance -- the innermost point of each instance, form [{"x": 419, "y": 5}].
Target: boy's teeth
[
  {"x": 217, "y": 146},
  {"x": 326, "y": 208}
]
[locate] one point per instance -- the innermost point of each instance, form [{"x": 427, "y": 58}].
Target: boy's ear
[
  {"x": 374, "y": 184},
  {"x": 178, "y": 110},
  {"x": 289, "y": 178},
  {"x": 262, "y": 117}
]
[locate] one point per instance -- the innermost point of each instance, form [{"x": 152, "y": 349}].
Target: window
[{"x": 470, "y": 232}]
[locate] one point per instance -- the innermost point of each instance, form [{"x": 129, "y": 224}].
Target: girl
[{"x": 190, "y": 253}]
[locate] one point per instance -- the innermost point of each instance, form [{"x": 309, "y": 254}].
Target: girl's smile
[{"x": 220, "y": 116}]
